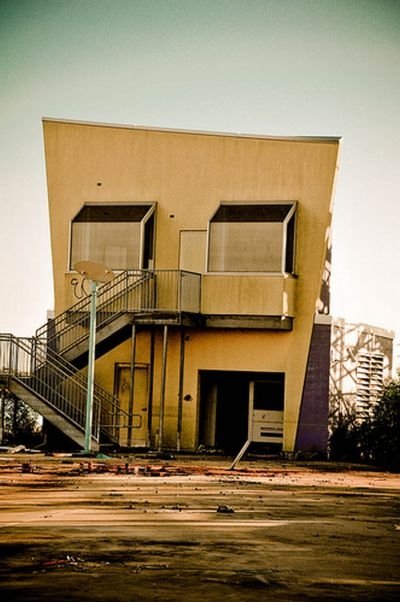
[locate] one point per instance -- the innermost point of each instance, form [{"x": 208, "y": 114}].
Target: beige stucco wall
[
  {"x": 188, "y": 175},
  {"x": 265, "y": 295}
]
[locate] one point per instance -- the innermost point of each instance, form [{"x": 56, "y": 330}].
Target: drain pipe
[{"x": 162, "y": 392}]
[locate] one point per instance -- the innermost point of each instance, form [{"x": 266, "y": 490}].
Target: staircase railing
[
  {"x": 129, "y": 291},
  {"x": 39, "y": 363},
  {"x": 50, "y": 382},
  {"x": 50, "y": 377},
  {"x": 132, "y": 291}
]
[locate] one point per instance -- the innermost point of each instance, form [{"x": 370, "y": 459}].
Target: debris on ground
[
  {"x": 209, "y": 450},
  {"x": 223, "y": 509},
  {"x": 160, "y": 455},
  {"x": 27, "y": 467},
  {"x": 59, "y": 563}
]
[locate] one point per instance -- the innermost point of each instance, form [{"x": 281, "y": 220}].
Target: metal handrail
[
  {"x": 109, "y": 404},
  {"x": 56, "y": 381},
  {"x": 128, "y": 291},
  {"x": 59, "y": 389},
  {"x": 132, "y": 291},
  {"x": 38, "y": 362}
]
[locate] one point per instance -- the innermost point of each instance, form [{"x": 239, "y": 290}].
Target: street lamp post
[{"x": 97, "y": 274}]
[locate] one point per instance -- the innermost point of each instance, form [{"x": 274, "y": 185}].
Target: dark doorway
[
  {"x": 224, "y": 407},
  {"x": 232, "y": 412},
  {"x": 224, "y": 410}
]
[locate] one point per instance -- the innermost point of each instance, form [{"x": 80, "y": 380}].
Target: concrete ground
[{"x": 142, "y": 528}]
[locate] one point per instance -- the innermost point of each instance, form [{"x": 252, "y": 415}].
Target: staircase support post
[
  {"x": 150, "y": 389},
  {"x": 180, "y": 391},
  {"x": 91, "y": 361},
  {"x": 162, "y": 392},
  {"x": 131, "y": 387},
  {"x": 2, "y": 414}
]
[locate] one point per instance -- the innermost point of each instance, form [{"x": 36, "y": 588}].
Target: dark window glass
[
  {"x": 269, "y": 394},
  {"x": 290, "y": 231}
]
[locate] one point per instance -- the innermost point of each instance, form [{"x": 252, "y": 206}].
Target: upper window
[
  {"x": 113, "y": 235},
  {"x": 256, "y": 237}
]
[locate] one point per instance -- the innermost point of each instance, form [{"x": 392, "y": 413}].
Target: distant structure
[{"x": 361, "y": 362}]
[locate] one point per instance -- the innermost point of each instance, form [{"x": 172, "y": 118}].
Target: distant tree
[
  {"x": 375, "y": 439},
  {"x": 383, "y": 431},
  {"x": 344, "y": 438},
  {"x": 19, "y": 423}
]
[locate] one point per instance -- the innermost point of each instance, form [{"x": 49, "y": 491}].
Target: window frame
[
  {"x": 292, "y": 213},
  {"x": 147, "y": 215}
]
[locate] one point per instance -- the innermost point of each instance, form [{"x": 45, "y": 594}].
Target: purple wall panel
[{"x": 312, "y": 430}]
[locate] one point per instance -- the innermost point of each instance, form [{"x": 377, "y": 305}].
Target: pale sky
[{"x": 271, "y": 67}]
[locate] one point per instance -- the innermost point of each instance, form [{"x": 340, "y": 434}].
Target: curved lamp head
[{"x": 97, "y": 272}]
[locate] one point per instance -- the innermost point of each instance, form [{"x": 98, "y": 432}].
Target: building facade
[
  {"x": 212, "y": 331},
  {"x": 223, "y": 242}
]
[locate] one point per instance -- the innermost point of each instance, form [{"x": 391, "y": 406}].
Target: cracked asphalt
[{"x": 189, "y": 529}]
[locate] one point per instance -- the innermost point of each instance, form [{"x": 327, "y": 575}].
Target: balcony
[
  {"x": 248, "y": 300},
  {"x": 182, "y": 297}
]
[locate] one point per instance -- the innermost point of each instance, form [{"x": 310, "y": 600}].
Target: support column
[
  {"x": 91, "y": 360},
  {"x": 2, "y": 414},
  {"x": 131, "y": 387},
  {"x": 150, "y": 389},
  {"x": 162, "y": 392},
  {"x": 180, "y": 391}
]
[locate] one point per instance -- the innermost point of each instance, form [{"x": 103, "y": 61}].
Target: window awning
[
  {"x": 257, "y": 212},
  {"x": 112, "y": 213}
]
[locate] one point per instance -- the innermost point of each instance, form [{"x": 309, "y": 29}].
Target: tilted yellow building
[{"x": 212, "y": 331}]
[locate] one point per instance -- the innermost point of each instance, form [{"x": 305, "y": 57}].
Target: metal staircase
[
  {"x": 56, "y": 390},
  {"x": 68, "y": 334},
  {"x": 47, "y": 370}
]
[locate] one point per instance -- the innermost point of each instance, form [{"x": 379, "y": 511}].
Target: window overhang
[
  {"x": 253, "y": 212},
  {"x": 113, "y": 213}
]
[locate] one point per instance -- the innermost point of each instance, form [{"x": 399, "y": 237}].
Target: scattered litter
[
  {"x": 62, "y": 562},
  {"x": 18, "y": 449},
  {"x": 27, "y": 467},
  {"x": 223, "y": 509},
  {"x": 152, "y": 567},
  {"x": 178, "y": 507},
  {"x": 209, "y": 450},
  {"x": 160, "y": 455},
  {"x": 60, "y": 454}
]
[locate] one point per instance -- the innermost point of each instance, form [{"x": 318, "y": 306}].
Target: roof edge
[{"x": 331, "y": 139}]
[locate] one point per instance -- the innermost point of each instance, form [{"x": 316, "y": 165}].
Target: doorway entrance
[
  {"x": 135, "y": 431},
  {"x": 236, "y": 406}
]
